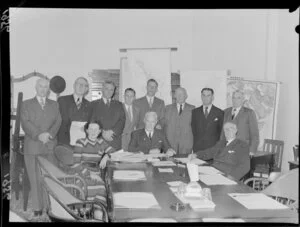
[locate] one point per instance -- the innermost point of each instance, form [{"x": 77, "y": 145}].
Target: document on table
[
  {"x": 195, "y": 203},
  {"x": 196, "y": 161},
  {"x": 129, "y": 175},
  {"x": 125, "y": 156},
  {"x": 215, "y": 179},
  {"x": 165, "y": 170},
  {"x": 257, "y": 201},
  {"x": 174, "y": 183},
  {"x": 223, "y": 220},
  {"x": 164, "y": 163},
  {"x": 76, "y": 131},
  {"x": 208, "y": 170},
  {"x": 135, "y": 200}
]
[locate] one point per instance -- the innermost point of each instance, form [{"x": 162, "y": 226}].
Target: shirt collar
[
  {"x": 148, "y": 98},
  {"x": 147, "y": 132},
  {"x": 127, "y": 106},
  {"x": 76, "y": 98},
  {"x": 178, "y": 105},
  {"x": 229, "y": 141},
  {"x": 39, "y": 98},
  {"x": 208, "y": 109},
  {"x": 237, "y": 110},
  {"x": 105, "y": 100}
]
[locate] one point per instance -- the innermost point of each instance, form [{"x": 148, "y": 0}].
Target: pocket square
[
  {"x": 230, "y": 151},
  {"x": 216, "y": 119}
]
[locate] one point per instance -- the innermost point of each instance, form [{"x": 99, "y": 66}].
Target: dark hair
[
  {"x": 129, "y": 89},
  {"x": 207, "y": 89},
  {"x": 152, "y": 80},
  {"x": 86, "y": 126},
  {"x": 110, "y": 82}
]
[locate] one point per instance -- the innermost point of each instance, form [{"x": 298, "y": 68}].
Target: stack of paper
[
  {"x": 135, "y": 200},
  {"x": 196, "y": 161},
  {"x": 215, "y": 179},
  {"x": 257, "y": 201},
  {"x": 164, "y": 163},
  {"x": 124, "y": 156},
  {"x": 208, "y": 170},
  {"x": 129, "y": 175}
]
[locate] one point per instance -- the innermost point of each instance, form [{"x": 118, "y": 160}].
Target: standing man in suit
[
  {"x": 245, "y": 120},
  {"x": 132, "y": 117},
  {"x": 177, "y": 123},
  {"x": 110, "y": 113},
  {"x": 151, "y": 103},
  {"x": 207, "y": 122},
  {"x": 230, "y": 155},
  {"x": 150, "y": 140},
  {"x": 40, "y": 120},
  {"x": 73, "y": 107}
]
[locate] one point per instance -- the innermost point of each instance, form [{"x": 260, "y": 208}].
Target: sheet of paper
[
  {"x": 128, "y": 157},
  {"x": 130, "y": 175},
  {"x": 174, "y": 183},
  {"x": 135, "y": 200},
  {"x": 257, "y": 201},
  {"x": 222, "y": 220},
  {"x": 164, "y": 163},
  {"x": 208, "y": 170},
  {"x": 196, "y": 161},
  {"x": 215, "y": 179},
  {"x": 76, "y": 131},
  {"x": 165, "y": 170}
]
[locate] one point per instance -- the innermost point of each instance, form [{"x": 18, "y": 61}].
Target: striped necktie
[
  {"x": 42, "y": 103},
  {"x": 78, "y": 103}
]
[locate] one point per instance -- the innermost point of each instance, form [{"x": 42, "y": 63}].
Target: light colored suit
[
  {"x": 34, "y": 121},
  {"x": 130, "y": 125},
  {"x": 158, "y": 106},
  {"x": 247, "y": 126},
  {"x": 178, "y": 128}
]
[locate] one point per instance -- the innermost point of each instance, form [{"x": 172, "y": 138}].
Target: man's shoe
[{"x": 38, "y": 213}]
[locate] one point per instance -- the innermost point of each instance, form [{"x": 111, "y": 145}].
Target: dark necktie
[
  {"x": 150, "y": 135},
  {"x": 180, "y": 109},
  {"x": 206, "y": 112},
  {"x": 78, "y": 103},
  {"x": 107, "y": 102},
  {"x": 233, "y": 114}
]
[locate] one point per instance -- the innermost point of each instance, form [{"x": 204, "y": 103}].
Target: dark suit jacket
[
  {"x": 158, "y": 106},
  {"x": 129, "y": 125},
  {"x": 35, "y": 120},
  {"x": 69, "y": 113},
  {"x": 247, "y": 126},
  {"x": 233, "y": 159},
  {"x": 141, "y": 142},
  {"x": 178, "y": 128},
  {"x": 206, "y": 132},
  {"x": 112, "y": 118}
]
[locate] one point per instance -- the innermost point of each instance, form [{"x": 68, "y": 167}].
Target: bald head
[
  {"x": 150, "y": 121},
  {"x": 180, "y": 95},
  {"x": 42, "y": 87},
  {"x": 81, "y": 86}
]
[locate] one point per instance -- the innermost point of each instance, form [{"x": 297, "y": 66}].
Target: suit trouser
[{"x": 34, "y": 175}]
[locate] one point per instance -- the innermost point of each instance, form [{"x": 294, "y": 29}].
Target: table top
[{"x": 226, "y": 207}]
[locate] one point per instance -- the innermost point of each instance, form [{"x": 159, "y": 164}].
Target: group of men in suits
[{"x": 143, "y": 125}]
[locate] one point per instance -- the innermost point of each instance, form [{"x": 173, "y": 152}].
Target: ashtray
[{"x": 177, "y": 207}]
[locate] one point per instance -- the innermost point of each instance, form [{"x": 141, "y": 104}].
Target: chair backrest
[
  {"x": 296, "y": 153},
  {"x": 286, "y": 186},
  {"x": 275, "y": 147}
]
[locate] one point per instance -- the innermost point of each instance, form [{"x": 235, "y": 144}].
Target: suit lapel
[{"x": 240, "y": 113}]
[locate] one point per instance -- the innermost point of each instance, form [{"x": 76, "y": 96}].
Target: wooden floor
[{"x": 17, "y": 207}]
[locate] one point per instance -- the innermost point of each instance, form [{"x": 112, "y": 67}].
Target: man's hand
[
  {"x": 170, "y": 152},
  {"x": 158, "y": 126},
  {"x": 192, "y": 156},
  {"x": 44, "y": 137},
  {"x": 107, "y": 135},
  {"x": 154, "y": 151},
  {"x": 103, "y": 162}
]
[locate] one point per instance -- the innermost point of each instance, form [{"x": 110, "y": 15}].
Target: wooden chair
[
  {"x": 74, "y": 183},
  {"x": 285, "y": 189},
  {"x": 296, "y": 153},
  {"x": 274, "y": 147},
  {"x": 64, "y": 207}
]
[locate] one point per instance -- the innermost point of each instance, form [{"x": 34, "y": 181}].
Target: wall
[
  {"x": 254, "y": 44},
  {"x": 287, "y": 71}
]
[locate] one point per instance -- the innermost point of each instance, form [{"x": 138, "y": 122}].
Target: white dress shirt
[
  {"x": 178, "y": 106},
  {"x": 129, "y": 110},
  {"x": 76, "y": 97},
  {"x": 237, "y": 110},
  {"x": 150, "y": 98},
  {"x": 147, "y": 133}
]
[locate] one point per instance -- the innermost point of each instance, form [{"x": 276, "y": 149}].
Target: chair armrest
[
  {"x": 257, "y": 183},
  {"x": 73, "y": 178}
]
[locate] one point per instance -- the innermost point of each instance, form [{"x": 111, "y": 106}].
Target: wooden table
[
  {"x": 293, "y": 164},
  {"x": 226, "y": 207}
]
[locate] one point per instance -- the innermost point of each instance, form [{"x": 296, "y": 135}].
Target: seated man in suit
[
  {"x": 149, "y": 139},
  {"x": 230, "y": 156}
]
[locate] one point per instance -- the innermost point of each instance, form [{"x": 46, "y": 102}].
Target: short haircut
[
  {"x": 110, "y": 82},
  {"x": 231, "y": 123},
  {"x": 207, "y": 89},
  {"x": 152, "y": 80},
  {"x": 86, "y": 126},
  {"x": 238, "y": 91},
  {"x": 81, "y": 77},
  {"x": 129, "y": 89},
  {"x": 151, "y": 113}
]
